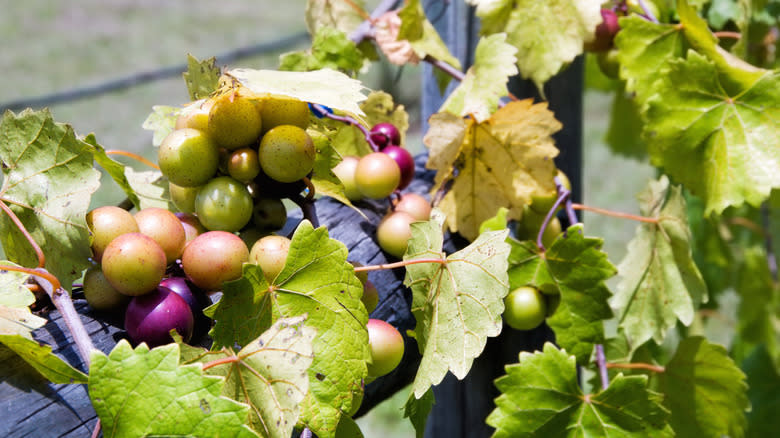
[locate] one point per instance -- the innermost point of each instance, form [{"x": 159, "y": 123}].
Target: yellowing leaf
[{"x": 499, "y": 162}]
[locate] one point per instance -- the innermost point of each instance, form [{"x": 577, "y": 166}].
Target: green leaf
[
  {"x": 330, "y": 48},
  {"x": 48, "y": 183},
  {"x": 323, "y": 179},
  {"x": 114, "y": 169},
  {"x": 417, "y": 410},
  {"x": 764, "y": 386},
  {"x": 540, "y": 396},
  {"x": 151, "y": 188},
  {"x": 161, "y": 121},
  {"x": 201, "y": 77},
  {"x": 342, "y": 93},
  {"x": 705, "y": 391},
  {"x": 317, "y": 280},
  {"x": 756, "y": 314},
  {"x": 421, "y": 34},
  {"x": 624, "y": 135},
  {"x": 40, "y": 357},
  {"x": 339, "y": 15},
  {"x": 457, "y": 303},
  {"x": 269, "y": 375},
  {"x": 141, "y": 392},
  {"x": 15, "y": 299},
  {"x": 709, "y": 140},
  {"x": 548, "y": 34},
  {"x": 644, "y": 48},
  {"x": 485, "y": 81},
  {"x": 496, "y": 223},
  {"x": 661, "y": 283}
]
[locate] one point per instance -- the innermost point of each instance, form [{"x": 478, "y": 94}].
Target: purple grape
[
  {"x": 196, "y": 298},
  {"x": 181, "y": 288},
  {"x": 149, "y": 318},
  {"x": 405, "y": 163},
  {"x": 385, "y": 134}
]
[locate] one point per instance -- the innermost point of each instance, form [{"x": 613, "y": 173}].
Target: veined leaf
[
  {"x": 201, "y": 77},
  {"x": 340, "y": 15},
  {"x": 48, "y": 183},
  {"x": 151, "y": 188},
  {"x": 161, "y": 121},
  {"x": 457, "y": 303},
  {"x": 763, "y": 388},
  {"x": 141, "y": 393},
  {"x": 15, "y": 299},
  {"x": 330, "y": 48},
  {"x": 417, "y": 410},
  {"x": 540, "y": 396},
  {"x": 757, "y": 315},
  {"x": 40, "y": 357},
  {"x": 114, "y": 169},
  {"x": 661, "y": 283},
  {"x": 500, "y": 162},
  {"x": 421, "y": 34}
]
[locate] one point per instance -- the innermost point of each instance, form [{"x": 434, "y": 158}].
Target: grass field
[{"x": 52, "y": 46}]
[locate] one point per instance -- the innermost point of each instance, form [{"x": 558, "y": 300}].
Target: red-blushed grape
[
  {"x": 188, "y": 157},
  {"x": 386, "y": 345},
  {"x": 377, "y": 175},
  {"x": 213, "y": 258},
  {"x": 150, "y": 318},
  {"x": 105, "y": 224},
  {"x": 345, "y": 171},
  {"x": 192, "y": 226},
  {"x": 385, "y": 134},
  {"x": 416, "y": 205},
  {"x": 286, "y": 153},
  {"x": 243, "y": 164},
  {"x": 405, "y": 163},
  {"x": 134, "y": 264},
  {"x": 165, "y": 228},
  {"x": 234, "y": 121},
  {"x": 605, "y": 32},
  {"x": 99, "y": 293},
  {"x": 223, "y": 204},
  {"x": 394, "y": 232},
  {"x": 270, "y": 253},
  {"x": 525, "y": 308}
]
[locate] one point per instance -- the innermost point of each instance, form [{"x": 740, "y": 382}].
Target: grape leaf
[
  {"x": 661, "y": 283},
  {"x": 330, "y": 49},
  {"x": 341, "y": 15},
  {"x": 48, "y": 183},
  {"x": 624, "y": 135},
  {"x": 485, "y": 81},
  {"x": 417, "y": 410},
  {"x": 710, "y": 140},
  {"x": 757, "y": 316},
  {"x": 421, "y": 34},
  {"x": 269, "y": 375},
  {"x": 151, "y": 188},
  {"x": 342, "y": 93},
  {"x": 114, "y": 169},
  {"x": 704, "y": 390},
  {"x": 496, "y": 223},
  {"x": 763, "y": 388},
  {"x": 500, "y": 162},
  {"x": 161, "y": 121},
  {"x": 575, "y": 267},
  {"x": 540, "y": 396},
  {"x": 323, "y": 179},
  {"x": 548, "y": 34},
  {"x": 644, "y": 48},
  {"x": 457, "y": 303},
  {"x": 201, "y": 77},
  {"x": 15, "y": 299},
  {"x": 146, "y": 392},
  {"x": 317, "y": 280},
  {"x": 40, "y": 357}
]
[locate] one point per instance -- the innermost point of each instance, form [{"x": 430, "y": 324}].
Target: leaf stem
[
  {"x": 34, "y": 272},
  {"x": 23, "y": 230},
  {"x": 446, "y": 68},
  {"x": 636, "y": 366},
  {"x": 400, "y": 264},
  {"x": 727, "y": 34},
  {"x": 223, "y": 361},
  {"x": 362, "y": 12},
  {"x": 365, "y": 29},
  {"x": 133, "y": 156},
  {"x": 563, "y": 196},
  {"x": 601, "y": 361},
  {"x": 617, "y": 214},
  {"x": 349, "y": 121}
]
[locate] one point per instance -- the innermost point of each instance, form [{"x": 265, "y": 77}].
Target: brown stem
[
  {"x": 18, "y": 223},
  {"x": 617, "y": 214},
  {"x": 218, "y": 362},
  {"x": 747, "y": 223},
  {"x": 636, "y": 366},
  {"x": 359, "y": 10},
  {"x": 96, "y": 430},
  {"x": 44, "y": 274},
  {"x": 727, "y": 34},
  {"x": 400, "y": 264},
  {"x": 446, "y": 68},
  {"x": 133, "y": 156},
  {"x": 311, "y": 192}
]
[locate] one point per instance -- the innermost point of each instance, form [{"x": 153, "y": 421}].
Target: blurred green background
[{"x": 51, "y": 46}]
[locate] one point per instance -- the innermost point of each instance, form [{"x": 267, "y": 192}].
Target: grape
[
  {"x": 526, "y": 308},
  {"x": 553, "y": 230},
  {"x": 386, "y": 345},
  {"x": 608, "y": 63},
  {"x": 286, "y": 153},
  {"x": 100, "y": 294},
  {"x": 165, "y": 228},
  {"x": 106, "y": 223},
  {"x": 213, "y": 258},
  {"x": 243, "y": 164},
  {"x": 192, "y": 226},
  {"x": 150, "y": 318},
  {"x": 270, "y": 253},
  {"x": 195, "y": 298},
  {"x": 269, "y": 214},
  {"x": 605, "y": 32},
  {"x": 377, "y": 175},
  {"x": 188, "y": 157},
  {"x": 542, "y": 202},
  {"x": 196, "y": 118},
  {"x": 405, "y": 163},
  {"x": 270, "y": 188},
  {"x": 276, "y": 111},
  {"x": 370, "y": 296},
  {"x": 252, "y": 235},
  {"x": 234, "y": 121},
  {"x": 394, "y": 232},
  {"x": 183, "y": 197},
  {"x": 417, "y": 206},
  {"x": 385, "y": 134},
  {"x": 134, "y": 263},
  {"x": 223, "y": 204},
  {"x": 345, "y": 171},
  {"x": 553, "y": 301}
]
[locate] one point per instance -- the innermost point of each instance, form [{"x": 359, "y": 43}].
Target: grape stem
[
  {"x": 23, "y": 230},
  {"x": 365, "y": 29},
  {"x": 133, "y": 156},
  {"x": 636, "y": 366},
  {"x": 601, "y": 361},
  {"x": 349, "y": 121},
  {"x": 647, "y": 11},
  {"x": 650, "y": 220},
  {"x": 727, "y": 34},
  {"x": 306, "y": 433},
  {"x": 563, "y": 197},
  {"x": 308, "y": 209},
  {"x": 400, "y": 264}
]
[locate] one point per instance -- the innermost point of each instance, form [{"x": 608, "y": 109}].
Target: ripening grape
[
  {"x": 183, "y": 197},
  {"x": 106, "y": 223},
  {"x": 188, "y": 157},
  {"x": 385, "y": 134},
  {"x": 345, "y": 171},
  {"x": 192, "y": 226},
  {"x": 405, "y": 163},
  {"x": 99, "y": 293},
  {"x": 286, "y": 153},
  {"x": 243, "y": 164},
  {"x": 223, "y": 204},
  {"x": 195, "y": 118},
  {"x": 270, "y": 253},
  {"x": 165, "y": 228},
  {"x": 234, "y": 121},
  {"x": 414, "y": 204},
  {"x": 377, "y": 175},
  {"x": 605, "y": 32},
  {"x": 386, "y": 346},
  {"x": 282, "y": 110},
  {"x": 134, "y": 264},
  {"x": 213, "y": 258},
  {"x": 394, "y": 232}
]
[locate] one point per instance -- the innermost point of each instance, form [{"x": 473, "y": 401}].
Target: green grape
[
  {"x": 105, "y": 224},
  {"x": 223, "y": 204},
  {"x": 234, "y": 121},
  {"x": 243, "y": 164},
  {"x": 345, "y": 171},
  {"x": 525, "y": 308},
  {"x": 377, "y": 175},
  {"x": 183, "y": 197},
  {"x": 134, "y": 264},
  {"x": 99, "y": 293},
  {"x": 542, "y": 202},
  {"x": 279, "y": 110},
  {"x": 188, "y": 157},
  {"x": 394, "y": 232},
  {"x": 270, "y": 253},
  {"x": 286, "y": 153},
  {"x": 196, "y": 118},
  {"x": 269, "y": 214}
]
